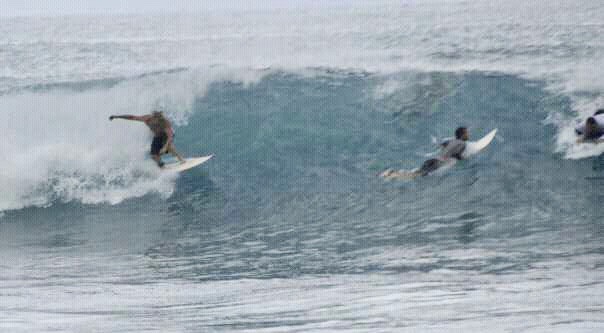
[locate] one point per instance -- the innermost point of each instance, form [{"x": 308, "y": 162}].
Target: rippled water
[{"x": 288, "y": 228}]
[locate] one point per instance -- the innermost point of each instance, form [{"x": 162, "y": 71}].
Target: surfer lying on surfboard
[
  {"x": 593, "y": 129},
  {"x": 450, "y": 149},
  {"x": 163, "y": 135}
]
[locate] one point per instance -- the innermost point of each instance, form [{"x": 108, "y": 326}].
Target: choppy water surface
[{"x": 287, "y": 228}]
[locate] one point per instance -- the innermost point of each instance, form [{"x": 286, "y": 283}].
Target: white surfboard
[
  {"x": 474, "y": 147},
  {"x": 188, "y": 164}
]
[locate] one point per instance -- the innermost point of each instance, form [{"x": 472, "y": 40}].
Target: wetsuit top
[{"x": 453, "y": 149}]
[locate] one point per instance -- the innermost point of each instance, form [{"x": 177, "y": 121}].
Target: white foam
[
  {"x": 60, "y": 144},
  {"x": 386, "y": 89},
  {"x": 66, "y": 133},
  {"x": 533, "y": 38}
]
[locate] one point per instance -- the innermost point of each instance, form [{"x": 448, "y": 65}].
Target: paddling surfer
[
  {"x": 450, "y": 149},
  {"x": 453, "y": 148}
]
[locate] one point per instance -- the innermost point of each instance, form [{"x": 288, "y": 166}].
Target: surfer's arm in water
[
  {"x": 596, "y": 140},
  {"x": 130, "y": 117}
]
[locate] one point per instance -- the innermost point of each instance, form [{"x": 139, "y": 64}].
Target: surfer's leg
[
  {"x": 428, "y": 166},
  {"x": 172, "y": 150},
  {"x": 156, "y": 147}
]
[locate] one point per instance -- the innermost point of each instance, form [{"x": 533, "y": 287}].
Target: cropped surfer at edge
[
  {"x": 450, "y": 149},
  {"x": 163, "y": 135},
  {"x": 593, "y": 129}
]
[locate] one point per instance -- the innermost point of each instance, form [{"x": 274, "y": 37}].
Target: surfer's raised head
[
  {"x": 592, "y": 129},
  {"x": 591, "y": 126},
  {"x": 461, "y": 133}
]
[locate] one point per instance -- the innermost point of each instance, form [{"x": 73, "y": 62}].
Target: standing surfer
[{"x": 163, "y": 135}]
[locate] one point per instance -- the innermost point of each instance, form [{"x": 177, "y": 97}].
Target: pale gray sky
[{"x": 70, "y": 7}]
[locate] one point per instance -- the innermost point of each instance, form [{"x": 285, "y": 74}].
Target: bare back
[{"x": 158, "y": 124}]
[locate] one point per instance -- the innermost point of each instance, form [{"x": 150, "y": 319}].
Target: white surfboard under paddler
[{"x": 472, "y": 148}]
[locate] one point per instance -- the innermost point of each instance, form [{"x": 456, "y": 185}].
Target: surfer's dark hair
[
  {"x": 159, "y": 119},
  {"x": 591, "y": 120},
  {"x": 459, "y": 132}
]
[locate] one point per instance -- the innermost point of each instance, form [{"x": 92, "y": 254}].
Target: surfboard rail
[{"x": 189, "y": 163}]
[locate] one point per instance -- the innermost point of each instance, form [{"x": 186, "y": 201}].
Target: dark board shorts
[
  {"x": 159, "y": 141},
  {"x": 430, "y": 165}
]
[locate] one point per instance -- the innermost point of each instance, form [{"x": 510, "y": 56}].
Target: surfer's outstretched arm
[{"x": 130, "y": 117}]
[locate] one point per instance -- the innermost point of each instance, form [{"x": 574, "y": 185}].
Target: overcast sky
[{"x": 70, "y": 7}]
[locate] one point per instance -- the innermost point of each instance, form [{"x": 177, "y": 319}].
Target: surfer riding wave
[{"x": 163, "y": 135}]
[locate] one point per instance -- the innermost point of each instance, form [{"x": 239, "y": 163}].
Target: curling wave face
[
  {"x": 60, "y": 77},
  {"x": 290, "y": 209}
]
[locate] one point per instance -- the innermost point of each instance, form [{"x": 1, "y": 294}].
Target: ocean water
[{"x": 287, "y": 228}]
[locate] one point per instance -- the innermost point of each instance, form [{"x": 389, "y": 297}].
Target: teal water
[{"x": 288, "y": 228}]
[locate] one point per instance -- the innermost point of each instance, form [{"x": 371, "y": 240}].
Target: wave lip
[
  {"x": 561, "y": 46},
  {"x": 61, "y": 90}
]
